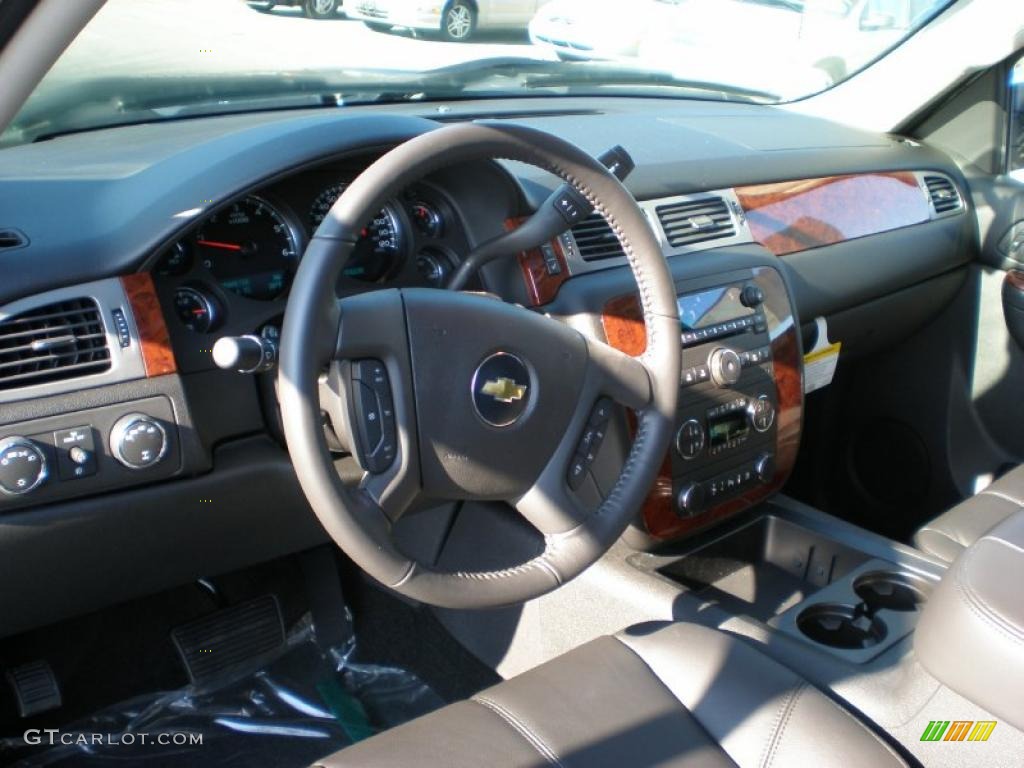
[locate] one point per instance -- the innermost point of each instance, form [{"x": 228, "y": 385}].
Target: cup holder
[
  {"x": 892, "y": 590},
  {"x": 841, "y": 626}
]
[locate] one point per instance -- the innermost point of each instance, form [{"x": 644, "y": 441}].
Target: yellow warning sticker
[{"x": 821, "y": 361}]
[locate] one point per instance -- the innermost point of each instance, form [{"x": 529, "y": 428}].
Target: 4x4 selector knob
[
  {"x": 725, "y": 366},
  {"x": 138, "y": 441},
  {"x": 22, "y": 466}
]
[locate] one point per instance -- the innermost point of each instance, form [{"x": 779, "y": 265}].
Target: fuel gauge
[
  {"x": 428, "y": 219},
  {"x": 197, "y": 311}
]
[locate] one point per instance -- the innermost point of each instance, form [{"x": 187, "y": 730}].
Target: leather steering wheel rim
[{"x": 311, "y": 340}]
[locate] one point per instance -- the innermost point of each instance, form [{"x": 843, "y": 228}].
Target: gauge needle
[{"x": 216, "y": 244}]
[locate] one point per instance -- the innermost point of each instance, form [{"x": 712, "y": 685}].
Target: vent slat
[
  {"x": 595, "y": 240},
  {"x": 27, "y": 359},
  {"x": 696, "y": 221},
  {"x": 944, "y": 195}
]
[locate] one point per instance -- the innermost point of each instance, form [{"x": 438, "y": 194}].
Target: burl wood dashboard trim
[
  {"x": 154, "y": 338},
  {"x": 791, "y": 216},
  {"x": 625, "y": 331},
  {"x": 541, "y": 285}
]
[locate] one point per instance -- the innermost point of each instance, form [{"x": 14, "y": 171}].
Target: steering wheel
[{"x": 490, "y": 400}]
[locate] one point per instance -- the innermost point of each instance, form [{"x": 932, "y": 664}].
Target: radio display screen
[
  {"x": 718, "y": 305},
  {"x": 724, "y": 429}
]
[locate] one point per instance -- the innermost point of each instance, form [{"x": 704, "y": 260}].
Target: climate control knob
[
  {"x": 138, "y": 441},
  {"x": 690, "y": 439},
  {"x": 725, "y": 366},
  {"x": 22, "y": 466},
  {"x": 690, "y": 500}
]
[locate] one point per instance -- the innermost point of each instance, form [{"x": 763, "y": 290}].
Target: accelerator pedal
[
  {"x": 232, "y": 642},
  {"x": 35, "y": 688}
]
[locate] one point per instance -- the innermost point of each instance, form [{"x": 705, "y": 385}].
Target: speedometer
[
  {"x": 380, "y": 251},
  {"x": 251, "y": 248}
]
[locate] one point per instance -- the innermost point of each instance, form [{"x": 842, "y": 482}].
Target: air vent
[
  {"x": 696, "y": 221},
  {"x": 60, "y": 341},
  {"x": 11, "y": 239},
  {"x": 943, "y": 193},
  {"x": 595, "y": 240}
]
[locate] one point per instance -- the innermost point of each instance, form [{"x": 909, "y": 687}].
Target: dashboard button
[{"x": 76, "y": 453}]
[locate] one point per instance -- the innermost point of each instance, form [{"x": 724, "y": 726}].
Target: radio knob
[
  {"x": 762, "y": 413},
  {"x": 690, "y": 439},
  {"x": 138, "y": 441},
  {"x": 765, "y": 468},
  {"x": 725, "y": 366},
  {"x": 751, "y": 296},
  {"x": 690, "y": 500},
  {"x": 22, "y": 466}
]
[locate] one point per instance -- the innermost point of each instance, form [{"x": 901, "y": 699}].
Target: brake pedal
[
  {"x": 35, "y": 688},
  {"x": 231, "y": 642}
]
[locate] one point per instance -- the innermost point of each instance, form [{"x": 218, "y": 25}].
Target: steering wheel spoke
[{"x": 624, "y": 379}]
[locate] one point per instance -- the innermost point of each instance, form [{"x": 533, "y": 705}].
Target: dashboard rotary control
[
  {"x": 690, "y": 500},
  {"x": 765, "y": 468},
  {"x": 725, "y": 366},
  {"x": 762, "y": 413},
  {"x": 751, "y": 296},
  {"x": 22, "y": 466},
  {"x": 138, "y": 441},
  {"x": 690, "y": 439}
]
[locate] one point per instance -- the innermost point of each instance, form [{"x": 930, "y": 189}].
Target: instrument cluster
[{"x": 249, "y": 250}]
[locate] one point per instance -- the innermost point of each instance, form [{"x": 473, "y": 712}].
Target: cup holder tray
[{"x": 862, "y": 614}]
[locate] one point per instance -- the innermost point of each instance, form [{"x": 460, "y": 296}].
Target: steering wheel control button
[
  {"x": 501, "y": 389},
  {"x": 690, "y": 439},
  {"x": 138, "y": 441},
  {"x": 590, "y": 443},
  {"x": 375, "y": 415},
  {"x": 762, "y": 413},
  {"x": 725, "y": 366},
  {"x": 22, "y": 466},
  {"x": 602, "y": 412},
  {"x": 76, "y": 453}
]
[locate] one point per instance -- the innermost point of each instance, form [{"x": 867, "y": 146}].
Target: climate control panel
[{"x": 64, "y": 456}]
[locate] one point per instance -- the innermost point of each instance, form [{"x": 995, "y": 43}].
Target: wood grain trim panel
[
  {"x": 659, "y": 512},
  {"x": 623, "y": 317},
  {"x": 791, "y": 216},
  {"x": 1015, "y": 278},
  {"x": 154, "y": 338},
  {"x": 541, "y": 287}
]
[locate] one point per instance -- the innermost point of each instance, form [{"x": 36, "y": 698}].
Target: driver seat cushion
[
  {"x": 666, "y": 695},
  {"x": 949, "y": 534}
]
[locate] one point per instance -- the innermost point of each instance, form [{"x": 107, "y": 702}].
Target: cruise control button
[
  {"x": 577, "y": 472},
  {"x": 602, "y": 412}
]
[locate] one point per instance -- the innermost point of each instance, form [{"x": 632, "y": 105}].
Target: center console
[{"x": 740, "y": 400}]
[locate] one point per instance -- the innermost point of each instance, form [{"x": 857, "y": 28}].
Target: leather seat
[
  {"x": 677, "y": 695},
  {"x": 952, "y": 532}
]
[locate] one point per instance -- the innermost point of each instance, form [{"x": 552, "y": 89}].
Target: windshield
[{"x": 146, "y": 60}]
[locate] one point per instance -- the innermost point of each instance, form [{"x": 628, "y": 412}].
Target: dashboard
[{"x": 177, "y": 234}]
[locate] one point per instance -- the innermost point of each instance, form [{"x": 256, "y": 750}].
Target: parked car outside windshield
[{"x": 141, "y": 61}]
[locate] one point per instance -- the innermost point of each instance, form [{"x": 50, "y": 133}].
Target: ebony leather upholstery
[
  {"x": 952, "y": 532},
  {"x": 677, "y": 695}
]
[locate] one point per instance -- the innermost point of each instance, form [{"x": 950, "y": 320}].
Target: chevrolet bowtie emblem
[{"x": 504, "y": 390}]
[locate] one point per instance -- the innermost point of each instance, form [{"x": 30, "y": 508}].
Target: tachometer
[
  {"x": 379, "y": 254},
  {"x": 251, "y": 248}
]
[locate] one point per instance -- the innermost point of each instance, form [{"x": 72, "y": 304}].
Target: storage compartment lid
[{"x": 971, "y": 632}]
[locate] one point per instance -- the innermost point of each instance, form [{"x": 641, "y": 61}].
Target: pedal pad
[
  {"x": 231, "y": 642},
  {"x": 35, "y": 688}
]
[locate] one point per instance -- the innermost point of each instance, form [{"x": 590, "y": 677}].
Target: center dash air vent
[
  {"x": 696, "y": 221},
  {"x": 59, "y": 341},
  {"x": 595, "y": 239},
  {"x": 943, "y": 193}
]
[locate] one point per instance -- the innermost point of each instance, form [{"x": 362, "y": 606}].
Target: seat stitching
[
  {"x": 522, "y": 729},
  {"x": 781, "y": 721},
  {"x": 980, "y": 607},
  {"x": 881, "y": 742},
  {"x": 1004, "y": 496}
]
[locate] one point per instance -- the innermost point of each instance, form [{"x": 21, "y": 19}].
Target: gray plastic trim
[
  {"x": 125, "y": 364},
  {"x": 743, "y": 236}
]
